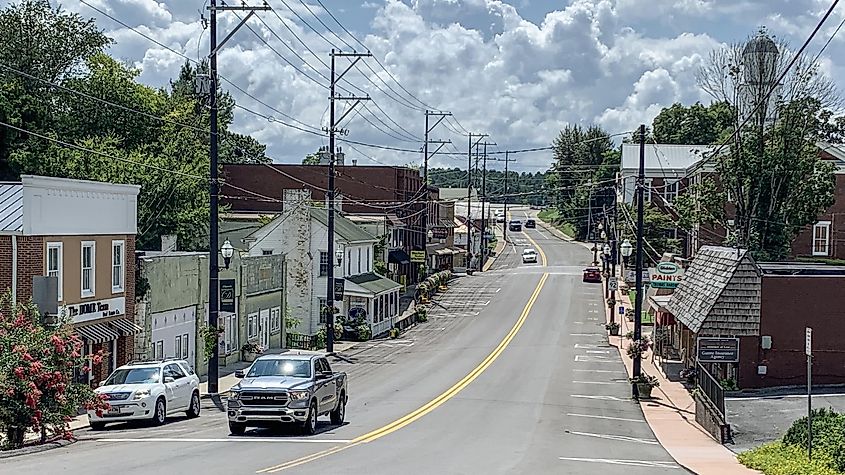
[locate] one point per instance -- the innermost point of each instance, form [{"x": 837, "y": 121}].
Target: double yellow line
[{"x": 434, "y": 403}]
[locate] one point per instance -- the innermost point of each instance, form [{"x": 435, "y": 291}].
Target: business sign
[
  {"x": 417, "y": 256},
  {"x": 631, "y": 277},
  {"x": 718, "y": 350},
  {"x": 83, "y": 312},
  {"x": 338, "y": 288},
  {"x": 439, "y": 233},
  {"x": 667, "y": 275},
  {"x": 227, "y": 295}
]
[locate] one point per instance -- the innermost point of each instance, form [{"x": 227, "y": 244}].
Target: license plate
[{"x": 114, "y": 410}]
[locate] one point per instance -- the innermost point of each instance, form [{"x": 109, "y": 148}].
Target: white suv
[
  {"x": 148, "y": 391},
  {"x": 529, "y": 255}
]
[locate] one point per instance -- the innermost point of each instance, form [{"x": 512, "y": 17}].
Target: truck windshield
[{"x": 295, "y": 368}]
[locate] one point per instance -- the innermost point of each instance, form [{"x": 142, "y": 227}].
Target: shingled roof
[{"x": 720, "y": 294}]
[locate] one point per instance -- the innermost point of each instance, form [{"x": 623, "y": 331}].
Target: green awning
[{"x": 374, "y": 283}]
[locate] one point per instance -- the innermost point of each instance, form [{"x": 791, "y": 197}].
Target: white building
[
  {"x": 301, "y": 234},
  {"x": 666, "y": 170}
]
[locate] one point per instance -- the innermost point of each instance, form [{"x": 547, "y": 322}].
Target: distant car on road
[
  {"x": 150, "y": 390},
  {"x": 592, "y": 274},
  {"x": 529, "y": 255},
  {"x": 293, "y": 388},
  {"x": 515, "y": 225},
  {"x": 530, "y": 223}
]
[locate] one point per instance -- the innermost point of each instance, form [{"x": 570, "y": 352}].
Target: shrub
[
  {"x": 37, "y": 364},
  {"x": 777, "y": 458},
  {"x": 646, "y": 379},
  {"x": 828, "y": 435},
  {"x": 422, "y": 314},
  {"x": 364, "y": 332}
]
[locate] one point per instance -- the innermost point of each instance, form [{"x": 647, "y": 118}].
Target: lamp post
[
  {"x": 627, "y": 249},
  {"x": 227, "y": 251}
]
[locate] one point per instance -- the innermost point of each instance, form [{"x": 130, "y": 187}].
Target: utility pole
[
  {"x": 213, "y": 186},
  {"x": 483, "y": 200},
  {"x": 507, "y": 198},
  {"x": 330, "y": 193},
  {"x": 426, "y": 156},
  {"x": 469, "y": 191},
  {"x": 638, "y": 296}
]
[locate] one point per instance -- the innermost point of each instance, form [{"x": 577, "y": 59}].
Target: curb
[{"x": 34, "y": 449}]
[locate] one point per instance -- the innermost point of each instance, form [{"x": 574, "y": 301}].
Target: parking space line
[
  {"x": 226, "y": 439},
  {"x": 621, "y": 438},
  {"x": 600, "y": 398},
  {"x": 621, "y": 419},
  {"x": 597, "y": 382},
  {"x": 633, "y": 463}
]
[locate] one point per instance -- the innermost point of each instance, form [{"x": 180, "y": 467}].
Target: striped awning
[
  {"x": 126, "y": 326},
  {"x": 97, "y": 333}
]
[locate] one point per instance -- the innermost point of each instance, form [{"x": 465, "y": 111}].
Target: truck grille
[{"x": 260, "y": 398}]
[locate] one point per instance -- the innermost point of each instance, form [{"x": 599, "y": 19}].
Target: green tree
[
  {"x": 694, "y": 125},
  {"x": 658, "y": 230},
  {"x": 311, "y": 159}
]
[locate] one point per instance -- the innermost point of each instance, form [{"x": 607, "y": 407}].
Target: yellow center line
[{"x": 434, "y": 403}]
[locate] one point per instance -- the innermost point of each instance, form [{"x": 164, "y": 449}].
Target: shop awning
[
  {"x": 398, "y": 256},
  {"x": 97, "y": 333},
  {"x": 126, "y": 326},
  {"x": 458, "y": 251},
  {"x": 374, "y": 283},
  {"x": 443, "y": 252}
]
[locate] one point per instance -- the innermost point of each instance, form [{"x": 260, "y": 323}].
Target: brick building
[
  {"x": 83, "y": 234},
  {"x": 363, "y": 190}
]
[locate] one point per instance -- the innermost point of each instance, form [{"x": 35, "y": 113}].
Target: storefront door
[{"x": 264, "y": 328}]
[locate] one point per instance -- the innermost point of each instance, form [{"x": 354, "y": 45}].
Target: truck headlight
[
  {"x": 141, "y": 394},
  {"x": 235, "y": 395},
  {"x": 299, "y": 395}
]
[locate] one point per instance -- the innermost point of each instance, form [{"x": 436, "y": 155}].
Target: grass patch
[
  {"x": 552, "y": 217},
  {"x": 776, "y": 458}
]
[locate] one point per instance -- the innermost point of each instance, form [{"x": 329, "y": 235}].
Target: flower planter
[
  {"x": 614, "y": 331},
  {"x": 644, "y": 390},
  {"x": 249, "y": 357}
]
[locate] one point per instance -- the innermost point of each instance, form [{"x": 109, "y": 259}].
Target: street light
[
  {"x": 228, "y": 251},
  {"x": 338, "y": 254},
  {"x": 627, "y": 249},
  {"x": 606, "y": 250}
]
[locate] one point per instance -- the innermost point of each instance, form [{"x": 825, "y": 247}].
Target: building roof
[
  {"x": 663, "y": 157},
  {"x": 11, "y": 207},
  {"x": 456, "y": 194},
  {"x": 391, "y": 218},
  {"x": 800, "y": 268},
  {"x": 720, "y": 293},
  {"x": 835, "y": 151},
  {"x": 374, "y": 283},
  {"x": 343, "y": 227}
]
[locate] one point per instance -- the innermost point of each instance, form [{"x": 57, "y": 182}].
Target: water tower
[{"x": 759, "y": 76}]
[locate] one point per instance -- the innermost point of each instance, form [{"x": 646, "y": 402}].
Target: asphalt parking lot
[{"x": 766, "y": 416}]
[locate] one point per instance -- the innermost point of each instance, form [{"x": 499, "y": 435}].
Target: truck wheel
[
  {"x": 309, "y": 427},
  {"x": 160, "y": 412},
  {"x": 340, "y": 411},
  {"x": 236, "y": 428}
]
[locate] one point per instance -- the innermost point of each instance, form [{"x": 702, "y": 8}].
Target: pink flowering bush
[{"x": 37, "y": 363}]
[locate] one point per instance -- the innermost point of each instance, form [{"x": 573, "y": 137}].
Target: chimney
[
  {"x": 354, "y": 162},
  {"x": 168, "y": 243},
  {"x": 339, "y": 157}
]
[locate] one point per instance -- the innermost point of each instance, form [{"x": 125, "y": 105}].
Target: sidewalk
[
  {"x": 500, "y": 246},
  {"x": 671, "y": 414}
]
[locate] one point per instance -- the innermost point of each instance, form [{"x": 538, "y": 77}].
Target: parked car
[
  {"x": 150, "y": 390},
  {"x": 529, "y": 255},
  {"x": 515, "y": 225},
  {"x": 530, "y": 223},
  {"x": 287, "y": 388},
  {"x": 592, "y": 274}
]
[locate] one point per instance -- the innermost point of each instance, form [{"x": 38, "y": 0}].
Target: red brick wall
[
  {"x": 789, "y": 305},
  {"x": 30, "y": 263},
  {"x": 128, "y": 341},
  {"x": 803, "y": 243}
]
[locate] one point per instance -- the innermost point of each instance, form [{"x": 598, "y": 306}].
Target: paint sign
[
  {"x": 667, "y": 275},
  {"x": 718, "y": 350}
]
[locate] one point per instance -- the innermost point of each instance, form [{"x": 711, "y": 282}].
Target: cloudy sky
[{"x": 518, "y": 70}]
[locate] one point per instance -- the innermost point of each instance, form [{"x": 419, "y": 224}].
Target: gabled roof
[
  {"x": 720, "y": 293},
  {"x": 11, "y": 207},
  {"x": 663, "y": 157},
  {"x": 343, "y": 227}
]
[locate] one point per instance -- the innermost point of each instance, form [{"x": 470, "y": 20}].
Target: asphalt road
[{"x": 511, "y": 374}]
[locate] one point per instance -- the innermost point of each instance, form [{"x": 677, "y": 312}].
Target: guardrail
[{"x": 711, "y": 388}]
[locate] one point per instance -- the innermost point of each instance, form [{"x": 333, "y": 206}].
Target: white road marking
[
  {"x": 597, "y": 382},
  {"x": 584, "y": 334},
  {"x": 623, "y": 438},
  {"x": 600, "y": 371},
  {"x": 592, "y": 359},
  {"x": 586, "y": 346},
  {"x": 600, "y": 398},
  {"x": 634, "y": 463},
  {"x": 597, "y": 352},
  {"x": 780, "y": 397},
  {"x": 232, "y": 439},
  {"x": 622, "y": 419}
]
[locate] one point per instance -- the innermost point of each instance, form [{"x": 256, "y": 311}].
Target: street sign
[
  {"x": 718, "y": 350},
  {"x": 613, "y": 284},
  {"x": 227, "y": 295},
  {"x": 621, "y": 310},
  {"x": 808, "y": 342},
  {"x": 338, "y": 289},
  {"x": 667, "y": 275},
  {"x": 439, "y": 233},
  {"x": 417, "y": 256}
]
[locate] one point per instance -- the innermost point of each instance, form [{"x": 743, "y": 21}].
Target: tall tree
[
  {"x": 770, "y": 171},
  {"x": 693, "y": 125}
]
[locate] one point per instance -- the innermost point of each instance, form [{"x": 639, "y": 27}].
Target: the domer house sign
[{"x": 667, "y": 275}]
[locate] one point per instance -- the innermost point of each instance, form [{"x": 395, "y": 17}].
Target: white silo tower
[{"x": 759, "y": 76}]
